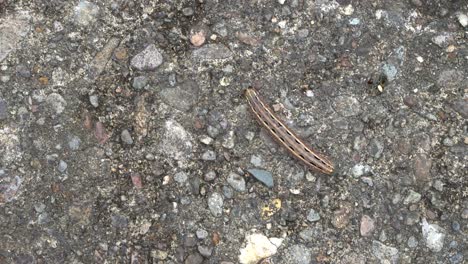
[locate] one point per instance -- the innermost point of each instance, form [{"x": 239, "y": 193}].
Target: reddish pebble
[
  {"x": 87, "y": 121},
  {"x": 100, "y": 133},
  {"x": 367, "y": 225},
  {"x": 197, "y": 38},
  {"x": 136, "y": 180}
]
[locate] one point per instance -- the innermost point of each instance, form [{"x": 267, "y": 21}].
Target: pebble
[
  {"x": 172, "y": 79},
  {"x": 23, "y": 71},
  {"x": 341, "y": 217},
  {"x": 188, "y": 11},
  {"x": 148, "y": 59},
  {"x": 438, "y": 185},
  {"x": 354, "y": 21},
  {"x": 215, "y": 204},
  {"x": 347, "y": 106},
  {"x": 384, "y": 253},
  {"x": 206, "y": 140},
  {"x": 464, "y": 214},
  {"x": 376, "y": 148},
  {"x": 210, "y": 176},
  {"x": 236, "y": 181},
  {"x": 202, "y": 234},
  {"x": 209, "y": 155},
  {"x": 422, "y": 168},
  {"x": 228, "y": 192},
  {"x": 212, "y": 52},
  {"x": 256, "y": 160},
  {"x": 455, "y": 226},
  {"x": 367, "y": 226},
  {"x": 182, "y": 97},
  {"x": 86, "y": 13},
  {"x": 100, "y": 60},
  {"x": 462, "y": 19},
  {"x": 126, "y": 137},
  {"x": 194, "y": 258},
  {"x": 412, "y": 242},
  {"x": 313, "y": 216},
  {"x": 457, "y": 258},
  {"x": 176, "y": 141},
  {"x": 139, "y": 82},
  {"x": 62, "y": 166},
  {"x": 298, "y": 254},
  {"x": 3, "y": 109},
  {"x": 74, "y": 143},
  {"x": 181, "y": 177},
  {"x": 205, "y": 251},
  {"x": 434, "y": 236},
  {"x": 412, "y": 197},
  {"x": 197, "y": 37},
  {"x": 212, "y": 131},
  {"x": 40, "y": 207},
  {"x": 259, "y": 247},
  {"x": 448, "y": 142},
  {"x": 56, "y": 103},
  {"x": 229, "y": 139},
  {"x": 94, "y": 100},
  {"x": 359, "y": 170},
  {"x": 263, "y": 176},
  {"x": 390, "y": 71}
]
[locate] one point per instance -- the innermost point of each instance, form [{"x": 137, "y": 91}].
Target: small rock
[
  {"x": 100, "y": 133},
  {"x": 384, "y": 253},
  {"x": 229, "y": 140},
  {"x": 149, "y": 59},
  {"x": 412, "y": 197},
  {"x": 313, "y": 216},
  {"x": 412, "y": 242},
  {"x": 376, "y": 148},
  {"x": 194, "y": 258},
  {"x": 94, "y": 100},
  {"x": 456, "y": 259},
  {"x": 210, "y": 176},
  {"x": 434, "y": 236},
  {"x": 462, "y": 19},
  {"x": 212, "y": 131},
  {"x": 367, "y": 226},
  {"x": 86, "y": 13},
  {"x": 62, "y": 167},
  {"x": 256, "y": 160},
  {"x": 439, "y": 185},
  {"x": 205, "y": 251},
  {"x": 209, "y": 155},
  {"x": 390, "y": 71},
  {"x": 201, "y": 234},
  {"x": 354, "y": 21},
  {"x": 258, "y": 247},
  {"x": 206, "y": 140},
  {"x": 197, "y": 37},
  {"x": 172, "y": 79},
  {"x": 228, "y": 192},
  {"x": 455, "y": 226},
  {"x": 182, "y": 97},
  {"x": 136, "y": 180},
  {"x": 263, "y": 176},
  {"x": 188, "y": 11},
  {"x": 281, "y": 2},
  {"x": 74, "y": 143},
  {"x": 359, "y": 170},
  {"x": 176, "y": 141},
  {"x": 442, "y": 40},
  {"x": 236, "y": 181},
  {"x": 212, "y": 52},
  {"x": 56, "y": 103},
  {"x": 215, "y": 204},
  {"x": 298, "y": 254},
  {"x": 464, "y": 214},
  {"x": 181, "y": 177},
  {"x": 126, "y": 137},
  {"x": 448, "y": 142},
  {"x": 422, "y": 168},
  {"x": 139, "y": 82}
]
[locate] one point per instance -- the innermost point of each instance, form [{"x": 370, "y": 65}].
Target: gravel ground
[{"x": 125, "y": 138}]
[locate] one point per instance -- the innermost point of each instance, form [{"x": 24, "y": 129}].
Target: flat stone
[
  {"x": 139, "y": 82},
  {"x": 215, "y": 204},
  {"x": 181, "y": 177},
  {"x": 148, "y": 59},
  {"x": 101, "y": 59},
  {"x": 434, "y": 236},
  {"x": 209, "y": 155},
  {"x": 412, "y": 197},
  {"x": 85, "y": 13},
  {"x": 210, "y": 176},
  {"x": 259, "y": 247},
  {"x": 62, "y": 167},
  {"x": 367, "y": 226},
  {"x": 13, "y": 29},
  {"x": 201, "y": 234},
  {"x": 422, "y": 168},
  {"x": 94, "y": 100},
  {"x": 236, "y": 181},
  {"x": 313, "y": 216},
  {"x": 126, "y": 137},
  {"x": 176, "y": 142},
  {"x": 182, "y": 97},
  {"x": 263, "y": 176},
  {"x": 205, "y": 251},
  {"x": 212, "y": 52},
  {"x": 384, "y": 253}
]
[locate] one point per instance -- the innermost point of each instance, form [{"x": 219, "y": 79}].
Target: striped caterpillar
[{"x": 287, "y": 138}]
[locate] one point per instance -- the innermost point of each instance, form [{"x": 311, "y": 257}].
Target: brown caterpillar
[{"x": 287, "y": 138}]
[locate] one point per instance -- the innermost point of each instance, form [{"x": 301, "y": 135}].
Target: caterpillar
[{"x": 285, "y": 136}]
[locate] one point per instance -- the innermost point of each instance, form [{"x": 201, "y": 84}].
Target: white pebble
[{"x": 463, "y": 19}]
